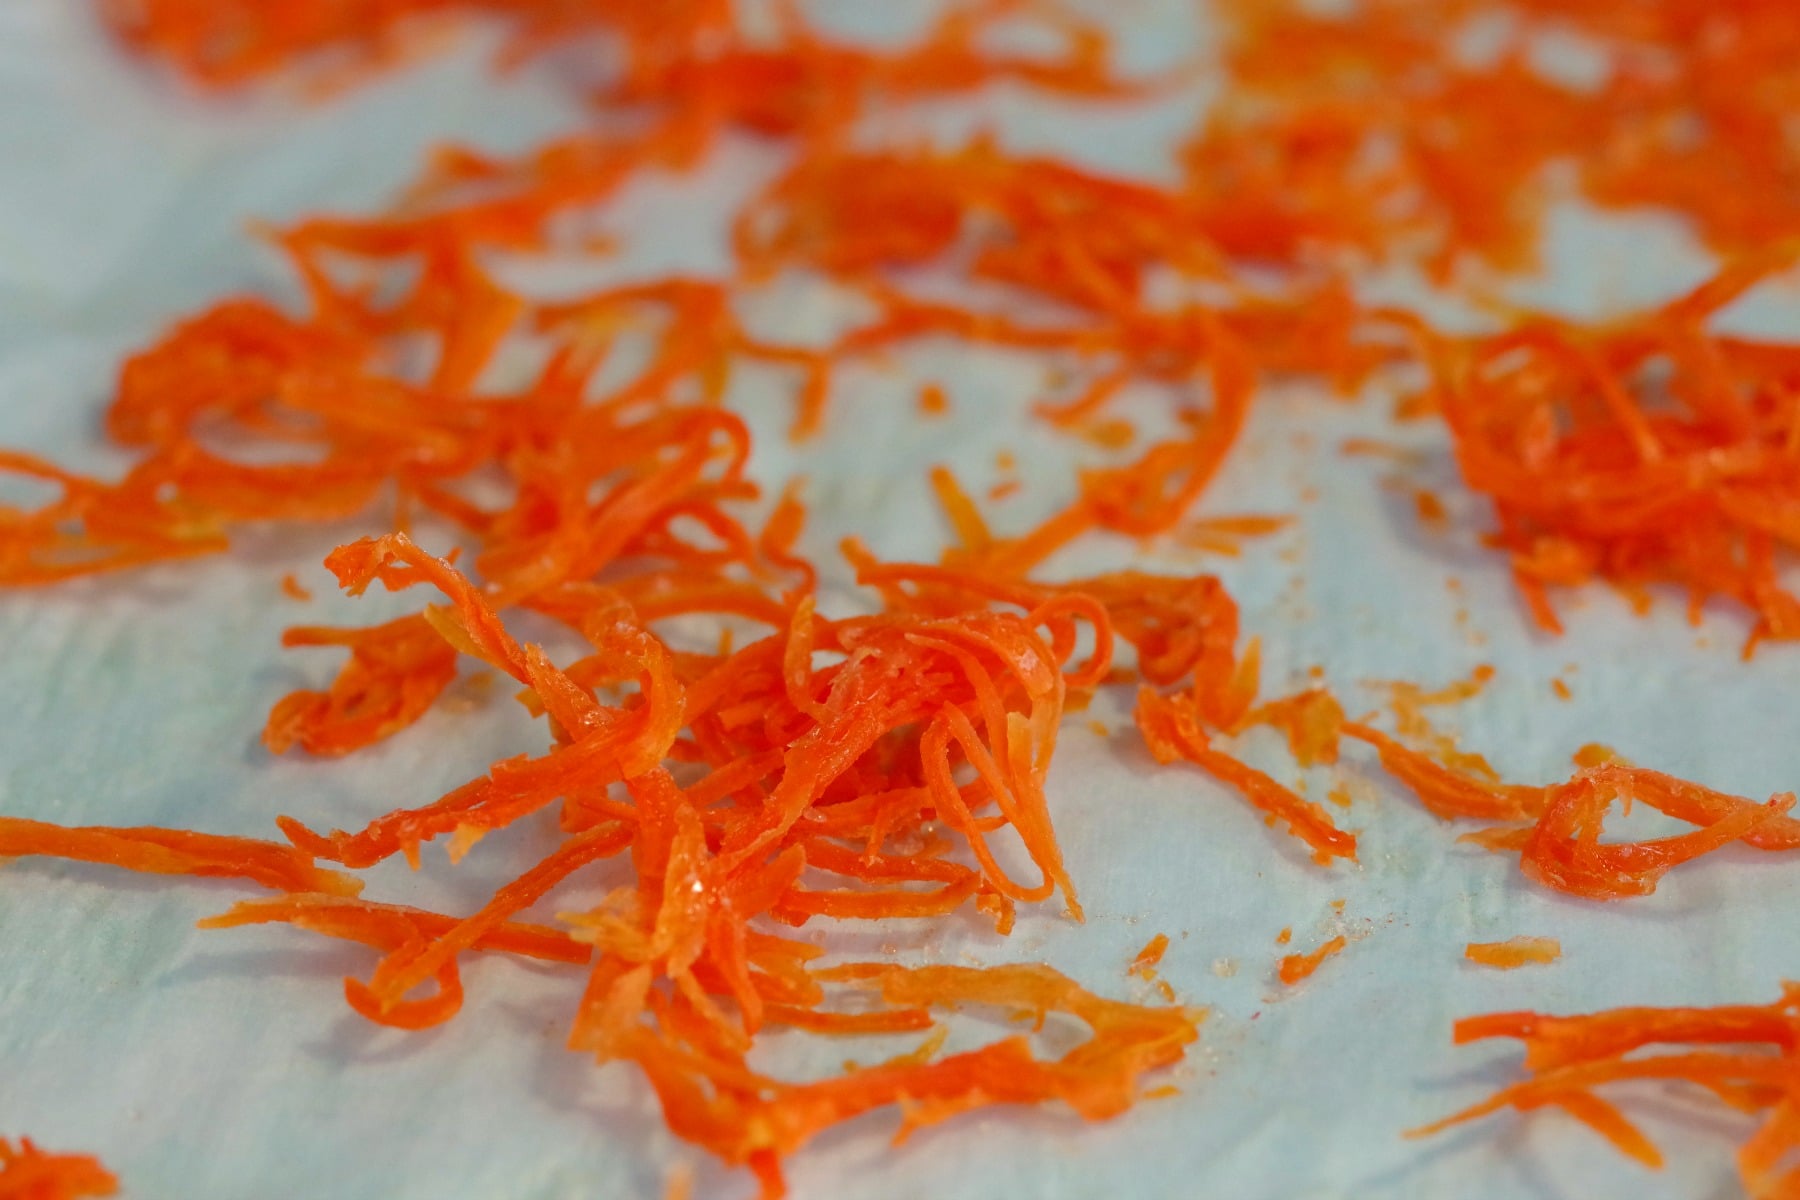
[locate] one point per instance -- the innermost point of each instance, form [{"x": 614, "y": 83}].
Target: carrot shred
[
  {"x": 1145, "y": 963},
  {"x": 1297, "y": 967},
  {"x": 1514, "y": 952},
  {"x": 175, "y": 852}
]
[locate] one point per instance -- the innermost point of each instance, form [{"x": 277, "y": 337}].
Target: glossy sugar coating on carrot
[
  {"x": 1513, "y": 952},
  {"x": 1741, "y": 1054},
  {"x": 28, "y": 1173}
]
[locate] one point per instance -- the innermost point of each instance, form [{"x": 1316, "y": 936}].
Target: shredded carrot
[
  {"x": 1296, "y": 967},
  {"x": 1285, "y": 936},
  {"x": 896, "y": 763},
  {"x": 1148, "y": 958},
  {"x": 1514, "y": 952},
  {"x": 1173, "y": 732},
  {"x": 292, "y": 589},
  {"x": 1740, "y": 1054},
  {"x": 1561, "y": 689},
  {"x": 1408, "y": 702},
  {"x": 176, "y": 852},
  {"x": 1310, "y": 720},
  {"x": 1561, "y": 847},
  {"x": 27, "y": 1173}
]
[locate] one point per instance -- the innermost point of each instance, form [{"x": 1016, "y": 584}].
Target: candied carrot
[
  {"x": 896, "y": 764},
  {"x": 1514, "y": 952},
  {"x": 1147, "y": 959},
  {"x": 27, "y": 1173},
  {"x": 1310, "y": 720},
  {"x": 175, "y": 852},
  {"x": 1743, "y": 1055},
  {"x": 1172, "y": 732},
  {"x": 1296, "y": 967},
  {"x": 1561, "y": 847}
]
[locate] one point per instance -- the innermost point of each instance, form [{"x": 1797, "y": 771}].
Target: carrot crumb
[
  {"x": 1114, "y": 433},
  {"x": 293, "y": 589}
]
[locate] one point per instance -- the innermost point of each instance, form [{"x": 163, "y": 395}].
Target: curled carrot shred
[{"x": 1561, "y": 847}]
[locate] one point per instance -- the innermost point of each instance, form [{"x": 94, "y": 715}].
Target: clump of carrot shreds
[
  {"x": 1741, "y": 1054},
  {"x": 887, "y": 762},
  {"x": 28, "y": 1173}
]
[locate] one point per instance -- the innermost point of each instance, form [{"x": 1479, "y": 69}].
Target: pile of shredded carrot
[{"x": 577, "y": 461}]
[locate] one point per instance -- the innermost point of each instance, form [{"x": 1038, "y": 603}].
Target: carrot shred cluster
[
  {"x": 1556, "y": 829},
  {"x": 1646, "y": 451},
  {"x": 893, "y": 762},
  {"x": 1739, "y": 1054},
  {"x": 28, "y": 1173}
]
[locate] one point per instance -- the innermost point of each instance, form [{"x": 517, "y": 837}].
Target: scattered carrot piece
[
  {"x": 1147, "y": 958},
  {"x": 1514, "y": 952},
  {"x": 1296, "y": 967}
]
